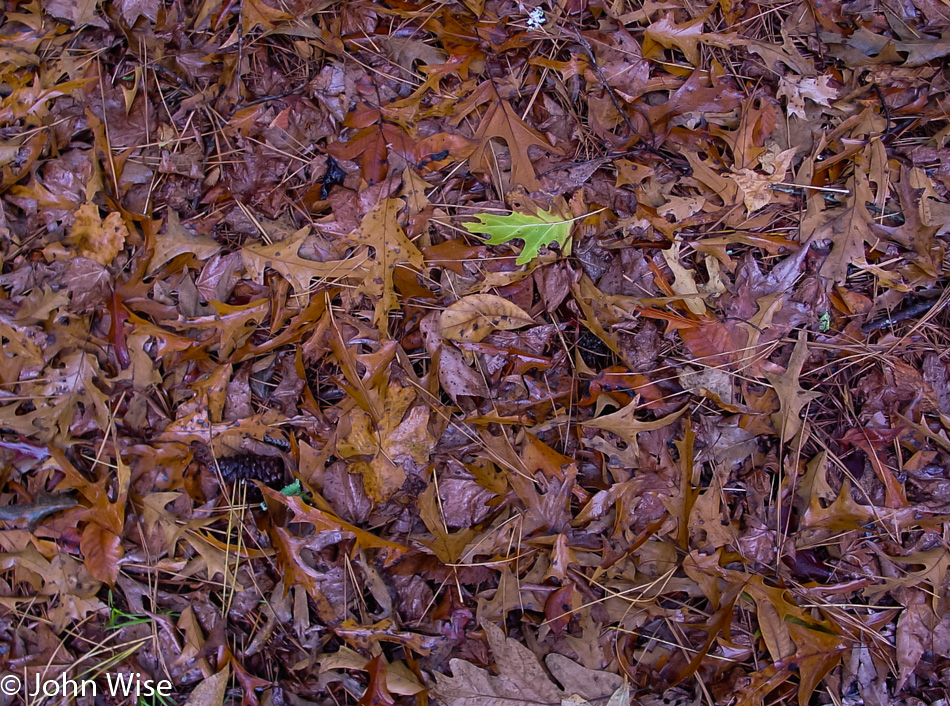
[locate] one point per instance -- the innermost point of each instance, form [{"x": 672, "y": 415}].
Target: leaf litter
[{"x": 476, "y": 352}]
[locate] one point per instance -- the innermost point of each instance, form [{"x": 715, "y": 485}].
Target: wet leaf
[{"x": 536, "y": 231}]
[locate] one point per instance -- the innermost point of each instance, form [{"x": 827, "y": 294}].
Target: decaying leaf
[
  {"x": 97, "y": 238},
  {"x": 501, "y": 121},
  {"x": 521, "y": 678},
  {"x": 284, "y": 257},
  {"x": 790, "y": 393},
  {"x": 597, "y": 346},
  {"x": 474, "y": 317}
]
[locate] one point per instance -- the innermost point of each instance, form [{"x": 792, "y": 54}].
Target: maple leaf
[
  {"x": 536, "y": 231},
  {"x": 502, "y": 121},
  {"x": 380, "y": 231},
  {"x": 521, "y": 680}
]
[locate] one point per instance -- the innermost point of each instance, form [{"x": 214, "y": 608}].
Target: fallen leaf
[
  {"x": 96, "y": 238},
  {"x": 536, "y": 231},
  {"x": 284, "y": 257},
  {"x": 521, "y": 678},
  {"x": 474, "y": 317},
  {"x": 501, "y": 121},
  {"x": 211, "y": 691},
  {"x": 790, "y": 393}
]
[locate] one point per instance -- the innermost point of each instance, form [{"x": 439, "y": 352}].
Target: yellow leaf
[
  {"x": 98, "y": 239},
  {"x": 380, "y": 230}
]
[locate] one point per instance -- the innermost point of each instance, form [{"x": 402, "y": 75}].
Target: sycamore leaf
[{"x": 536, "y": 231}]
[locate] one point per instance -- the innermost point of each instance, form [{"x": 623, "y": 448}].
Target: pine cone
[{"x": 269, "y": 470}]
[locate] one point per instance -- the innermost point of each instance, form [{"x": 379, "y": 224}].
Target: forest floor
[{"x": 476, "y": 353}]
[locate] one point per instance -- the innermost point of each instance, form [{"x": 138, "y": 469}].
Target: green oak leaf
[{"x": 536, "y": 231}]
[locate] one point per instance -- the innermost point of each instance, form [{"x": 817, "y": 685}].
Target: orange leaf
[{"x": 102, "y": 551}]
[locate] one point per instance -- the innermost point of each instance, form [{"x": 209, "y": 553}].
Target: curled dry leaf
[
  {"x": 97, "y": 238},
  {"x": 472, "y": 318}
]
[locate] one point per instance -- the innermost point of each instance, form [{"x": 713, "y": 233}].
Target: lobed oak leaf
[
  {"x": 790, "y": 393},
  {"x": 685, "y": 37},
  {"x": 536, "y": 231},
  {"x": 178, "y": 239},
  {"x": 521, "y": 680},
  {"x": 848, "y": 227},
  {"x": 79, "y": 13},
  {"x": 502, "y": 122},
  {"x": 624, "y": 424},
  {"x": 380, "y": 230},
  {"x": 284, "y": 257},
  {"x": 402, "y": 433},
  {"x": 131, "y": 10},
  {"x": 797, "y": 89},
  {"x": 257, "y": 13},
  {"x": 757, "y": 188}
]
